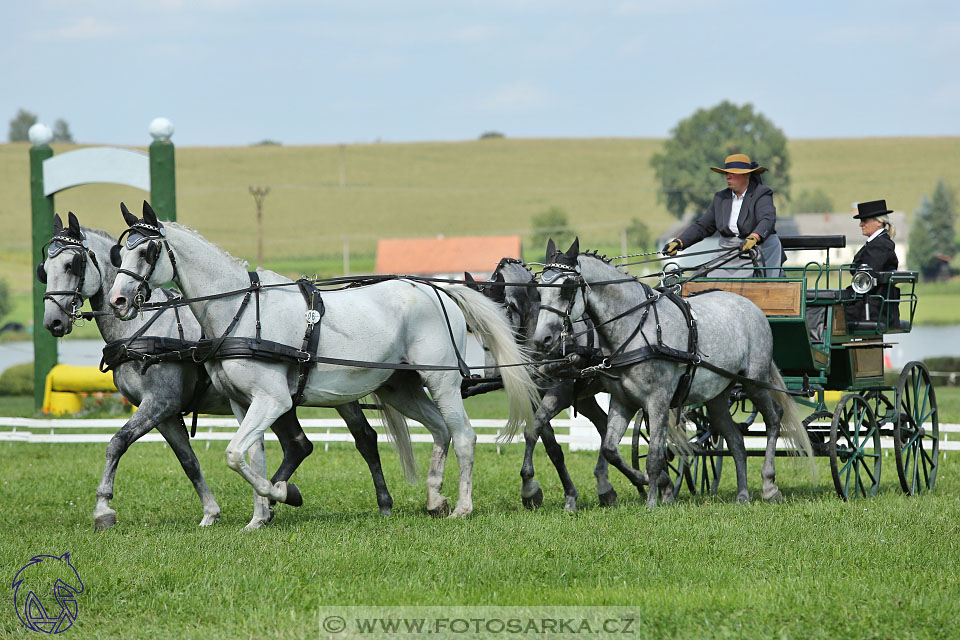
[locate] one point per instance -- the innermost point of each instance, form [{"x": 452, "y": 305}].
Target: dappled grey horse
[
  {"x": 637, "y": 327},
  {"x": 393, "y": 337},
  {"x": 76, "y": 267},
  {"x": 560, "y": 388}
]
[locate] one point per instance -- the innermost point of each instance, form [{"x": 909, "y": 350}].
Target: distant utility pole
[{"x": 259, "y": 193}]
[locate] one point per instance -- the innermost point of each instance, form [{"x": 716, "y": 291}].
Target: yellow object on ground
[
  {"x": 63, "y": 383},
  {"x": 832, "y": 396}
]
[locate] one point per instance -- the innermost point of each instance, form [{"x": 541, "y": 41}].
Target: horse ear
[
  {"x": 574, "y": 249},
  {"x": 74, "y": 224},
  {"x": 470, "y": 282},
  {"x": 148, "y": 214},
  {"x": 128, "y": 217},
  {"x": 57, "y": 223},
  {"x": 551, "y": 249},
  {"x": 499, "y": 294}
]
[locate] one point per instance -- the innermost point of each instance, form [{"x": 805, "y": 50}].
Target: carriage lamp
[{"x": 863, "y": 281}]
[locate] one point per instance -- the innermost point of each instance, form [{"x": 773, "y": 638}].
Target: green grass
[{"x": 813, "y": 567}]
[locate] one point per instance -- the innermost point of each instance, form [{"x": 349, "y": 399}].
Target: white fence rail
[{"x": 578, "y": 433}]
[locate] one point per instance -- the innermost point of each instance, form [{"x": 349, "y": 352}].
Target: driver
[
  {"x": 745, "y": 216},
  {"x": 876, "y": 255}
]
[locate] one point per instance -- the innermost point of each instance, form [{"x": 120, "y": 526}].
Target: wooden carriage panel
[
  {"x": 868, "y": 361},
  {"x": 777, "y": 299}
]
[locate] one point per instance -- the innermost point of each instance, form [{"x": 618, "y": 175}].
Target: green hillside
[{"x": 474, "y": 187}]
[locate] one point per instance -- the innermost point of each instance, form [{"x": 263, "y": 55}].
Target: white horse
[{"x": 397, "y": 321}]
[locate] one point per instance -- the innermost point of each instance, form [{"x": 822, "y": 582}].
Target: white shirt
[
  {"x": 875, "y": 234},
  {"x": 735, "y": 211}
]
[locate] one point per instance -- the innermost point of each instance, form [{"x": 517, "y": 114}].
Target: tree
[
  {"x": 638, "y": 234},
  {"x": 20, "y": 126},
  {"x": 5, "y": 305},
  {"x": 932, "y": 235},
  {"x": 815, "y": 201},
  {"x": 704, "y": 140},
  {"x": 61, "y": 131},
  {"x": 551, "y": 223}
]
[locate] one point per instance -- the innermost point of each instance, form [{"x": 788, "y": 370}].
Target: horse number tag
[{"x": 313, "y": 316}]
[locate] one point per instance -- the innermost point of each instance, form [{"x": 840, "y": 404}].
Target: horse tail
[
  {"x": 399, "y": 433},
  {"x": 791, "y": 425},
  {"x": 486, "y": 318}
]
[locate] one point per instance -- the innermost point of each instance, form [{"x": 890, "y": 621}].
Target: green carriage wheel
[
  {"x": 855, "y": 453},
  {"x": 703, "y": 470},
  {"x": 676, "y": 465},
  {"x": 916, "y": 436}
]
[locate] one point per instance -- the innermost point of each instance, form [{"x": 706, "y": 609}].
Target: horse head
[
  {"x": 65, "y": 270},
  {"x": 561, "y": 299},
  {"x": 140, "y": 260}
]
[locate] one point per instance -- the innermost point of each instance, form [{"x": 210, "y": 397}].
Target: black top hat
[{"x": 871, "y": 209}]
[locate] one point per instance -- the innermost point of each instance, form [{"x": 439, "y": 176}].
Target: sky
[{"x": 235, "y": 72}]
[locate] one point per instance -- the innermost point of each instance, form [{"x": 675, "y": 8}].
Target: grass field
[{"x": 812, "y": 567}]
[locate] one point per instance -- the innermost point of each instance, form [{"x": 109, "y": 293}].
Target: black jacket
[
  {"x": 757, "y": 215},
  {"x": 879, "y": 255}
]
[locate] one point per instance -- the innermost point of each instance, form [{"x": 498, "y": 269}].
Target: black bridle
[
  {"x": 137, "y": 234},
  {"x": 78, "y": 266}
]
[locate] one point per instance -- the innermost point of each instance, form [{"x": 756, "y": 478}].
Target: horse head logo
[{"x": 47, "y": 581}]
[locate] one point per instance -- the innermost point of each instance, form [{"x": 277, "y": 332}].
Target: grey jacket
[{"x": 757, "y": 215}]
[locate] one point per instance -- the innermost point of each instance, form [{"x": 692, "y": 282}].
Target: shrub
[
  {"x": 17, "y": 380},
  {"x": 812, "y": 201},
  {"x": 491, "y": 134},
  {"x": 552, "y": 223}
]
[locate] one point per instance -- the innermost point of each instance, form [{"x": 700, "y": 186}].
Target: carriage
[{"x": 818, "y": 352}]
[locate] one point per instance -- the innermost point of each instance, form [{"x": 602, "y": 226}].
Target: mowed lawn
[{"x": 704, "y": 567}]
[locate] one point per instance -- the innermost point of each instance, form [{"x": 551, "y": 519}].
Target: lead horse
[
  {"x": 733, "y": 336},
  {"x": 392, "y": 338},
  {"x": 76, "y": 267},
  {"x": 514, "y": 287}
]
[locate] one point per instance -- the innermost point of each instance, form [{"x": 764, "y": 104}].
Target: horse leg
[
  {"x": 617, "y": 422},
  {"x": 262, "y": 507},
  {"x": 404, "y": 392},
  {"x": 295, "y": 443},
  {"x": 657, "y": 410},
  {"x": 719, "y": 414},
  {"x": 530, "y": 492},
  {"x": 365, "y": 439},
  {"x": 605, "y": 492},
  {"x": 145, "y": 419},
  {"x": 771, "y": 419},
  {"x": 445, "y": 390},
  {"x": 178, "y": 439},
  {"x": 262, "y": 412}
]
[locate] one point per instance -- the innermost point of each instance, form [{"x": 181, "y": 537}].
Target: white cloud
[{"x": 514, "y": 98}]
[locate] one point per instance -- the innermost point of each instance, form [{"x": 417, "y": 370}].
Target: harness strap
[{"x": 311, "y": 337}]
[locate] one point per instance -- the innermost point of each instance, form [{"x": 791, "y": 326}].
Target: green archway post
[
  {"x": 44, "y": 344},
  {"x": 163, "y": 187},
  {"x": 85, "y": 166}
]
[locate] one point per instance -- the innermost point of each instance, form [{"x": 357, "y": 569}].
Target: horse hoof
[
  {"x": 210, "y": 519},
  {"x": 459, "y": 513},
  {"x": 776, "y": 498},
  {"x": 571, "y": 504},
  {"x": 534, "y": 501},
  {"x": 294, "y": 497},
  {"x": 440, "y": 510},
  {"x": 743, "y": 499},
  {"x": 105, "y": 521},
  {"x": 608, "y": 499},
  {"x": 385, "y": 511}
]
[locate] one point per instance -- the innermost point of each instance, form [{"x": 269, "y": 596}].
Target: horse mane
[
  {"x": 195, "y": 233},
  {"x": 605, "y": 260},
  {"x": 505, "y": 261}
]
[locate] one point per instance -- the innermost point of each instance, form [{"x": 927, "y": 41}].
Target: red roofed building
[{"x": 445, "y": 256}]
